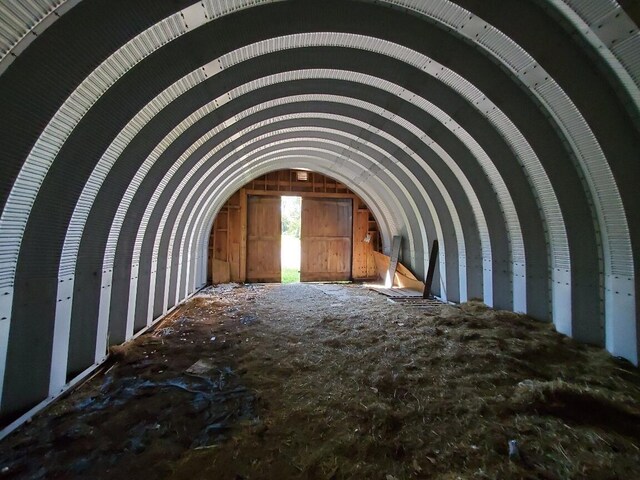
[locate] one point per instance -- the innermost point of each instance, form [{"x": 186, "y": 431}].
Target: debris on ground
[{"x": 337, "y": 383}]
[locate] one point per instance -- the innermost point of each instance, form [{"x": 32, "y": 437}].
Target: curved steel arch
[
  {"x": 106, "y": 267},
  {"x": 67, "y": 264},
  {"x": 403, "y": 208},
  {"x": 615, "y": 44},
  {"x": 292, "y": 41},
  {"x": 537, "y": 174},
  {"x": 618, "y": 253},
  {"x": 276, "y": 158},
  {"x": 447, "y": 19},
  {"x": 400, "y": 186}
]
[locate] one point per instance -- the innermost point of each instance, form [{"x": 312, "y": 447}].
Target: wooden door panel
[
  {"x": 325, "y": 239},
  {"x": 364, "y": 265},
  {"x": 263, "y": 239}
]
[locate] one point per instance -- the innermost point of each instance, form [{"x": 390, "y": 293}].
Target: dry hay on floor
[
  {"x": 371, "y": 390},
  {"x": 348, "y": 385}
]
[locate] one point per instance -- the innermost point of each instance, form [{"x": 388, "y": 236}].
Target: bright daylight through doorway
[{"x": 290, "y": 245}]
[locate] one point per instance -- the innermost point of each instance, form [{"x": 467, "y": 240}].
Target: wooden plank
[
  {"x": 364, "y": 265},
  {"x": 406, "y": 282},
  {"x": 234, "y": 242},
  {"x": 325, "y": 239},
  {"x": 403, "y": 277},
  {"x": 263, "y": 239},
  {"x": 297, "y": 193},
  {"x": 433, "y": 258},
  {"x": 393, "y": 262},
  {"x": 220, "y": 271}
]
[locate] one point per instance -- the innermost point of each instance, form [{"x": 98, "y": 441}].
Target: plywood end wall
[{"x": 228, "y": 241}]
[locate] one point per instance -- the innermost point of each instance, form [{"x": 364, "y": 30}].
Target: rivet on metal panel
[
  {"x": 614, "y": 28},
  {"x": 194, "y": 16}
]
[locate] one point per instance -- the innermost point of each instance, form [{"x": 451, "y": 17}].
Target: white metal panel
[
  {"x": 102, "y": 329},
  {"x": 6, "y": 301},
  {"x": 562, "y": 302},
  {"x": 621, "y": 336},
  {"x": 194, "y": 16},
  {"x": 62, "y": 328}
]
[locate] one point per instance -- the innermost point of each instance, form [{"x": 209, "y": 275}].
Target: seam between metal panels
[{"x": 608, "y": 29}]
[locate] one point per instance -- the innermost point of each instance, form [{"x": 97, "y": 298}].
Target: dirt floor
[{"x": 334, "y": 381}]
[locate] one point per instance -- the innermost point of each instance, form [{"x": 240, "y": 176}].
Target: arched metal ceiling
[{"x": 453, "y": 120}]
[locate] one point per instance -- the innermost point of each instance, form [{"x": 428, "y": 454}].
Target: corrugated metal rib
[
  {"x": 613, "y": 35},
  {"x": 612, "y": 219},
  {"x": 628, "y": 53},
  {"x": 268, "y": 81},
  {"x": 618, "y": 253},
  {"x": 17, "y": 209}
]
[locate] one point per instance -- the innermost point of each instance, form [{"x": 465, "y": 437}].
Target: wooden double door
[{"x": 325, "y": 239}]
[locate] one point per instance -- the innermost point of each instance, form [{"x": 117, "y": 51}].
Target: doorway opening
[
  {"x": 319, "y": 232},
  {"x": 291, "y": 212}
]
